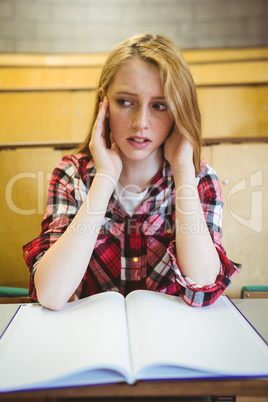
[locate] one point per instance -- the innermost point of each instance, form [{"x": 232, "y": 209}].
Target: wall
[{"x": 86, "y": 26}]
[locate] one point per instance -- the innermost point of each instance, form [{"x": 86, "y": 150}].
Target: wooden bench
[{"x": 51, "y": 97}]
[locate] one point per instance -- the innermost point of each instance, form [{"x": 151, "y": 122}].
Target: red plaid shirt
[{"x": 135, "y": 252}]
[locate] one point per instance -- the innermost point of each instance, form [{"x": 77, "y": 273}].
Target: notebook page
[
  {"x": 89, "y": 333},
  {"x": 164, "y": 330}
]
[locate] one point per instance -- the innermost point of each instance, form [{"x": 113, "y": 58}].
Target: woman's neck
[{"x": 137, "y": 175}]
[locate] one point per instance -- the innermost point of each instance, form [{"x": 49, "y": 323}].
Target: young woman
[{"x": 135, "y": 208}]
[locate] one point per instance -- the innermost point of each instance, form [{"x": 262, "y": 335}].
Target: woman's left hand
[{"x": 178, "y": 151}]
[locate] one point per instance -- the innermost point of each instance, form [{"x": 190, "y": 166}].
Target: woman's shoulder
[
  {"x": 208, "y": 182},
  {"x": 206, "y": 171},
  {"x": 73, "y": 164},
  {"x": 77, "y": 160},
  {"x": 73, "y": 170}
]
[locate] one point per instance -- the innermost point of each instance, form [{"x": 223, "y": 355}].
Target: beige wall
[{"x": 86, "y": 26}]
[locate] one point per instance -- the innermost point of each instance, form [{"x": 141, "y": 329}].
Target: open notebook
[{"x": 107, "y": 338}]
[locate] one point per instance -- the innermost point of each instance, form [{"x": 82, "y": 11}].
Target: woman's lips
[{"x": 139, "y": 142}]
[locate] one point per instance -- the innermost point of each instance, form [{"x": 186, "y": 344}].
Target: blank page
[
  {"x": 89, "y": 333},
  {"x": 164, "y": 330}
]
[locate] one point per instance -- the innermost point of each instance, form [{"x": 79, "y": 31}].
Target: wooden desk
[{"x": 255, "y": 310}]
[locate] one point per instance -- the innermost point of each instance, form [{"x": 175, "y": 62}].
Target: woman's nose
[{"x": 141, "y": 119}]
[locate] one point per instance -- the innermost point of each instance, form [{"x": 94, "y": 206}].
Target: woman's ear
[{"x": 101, "y": 94}]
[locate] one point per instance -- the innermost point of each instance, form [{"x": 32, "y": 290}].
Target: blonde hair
[{"x": 175, "y": 76}]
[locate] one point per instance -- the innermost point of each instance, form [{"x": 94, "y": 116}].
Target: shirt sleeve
[
  {"x": 66, "y": 193},
  {"x": 210, "y": 195}
]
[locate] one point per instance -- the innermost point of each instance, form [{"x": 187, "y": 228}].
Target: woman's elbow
[
  {"x": 50, "y": 302},
  {"x": 48, "y": 299}
]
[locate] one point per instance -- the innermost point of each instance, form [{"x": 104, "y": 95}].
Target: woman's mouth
[{"x": 139, "y": 142}]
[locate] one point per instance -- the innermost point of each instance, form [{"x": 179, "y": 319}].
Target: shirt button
[
  {"x": 136, "y": 259},
  {"x": 169, "y": 178},
  {"x": 168, "y": 230}
]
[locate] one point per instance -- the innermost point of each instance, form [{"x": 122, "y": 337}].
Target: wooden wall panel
[
  {"x": 43, "y": 78},
  {"x": 235, "y": 111},
  {"x": 45, "y": 116},
  {"x": 22, "y": 201},
  {"x": 229, "y": 73},
  {"x": 65, "y": 115},
  {"x": 36, "y": 78},
  {"x": 206, "y": 154},
  {"x": 50, "y": 97},
  {"x": 225, "y": 55},
  {"x": 263, "y": 109},
  {"x": 243, "y": 171},
  {"x": 92, "y": 59}
]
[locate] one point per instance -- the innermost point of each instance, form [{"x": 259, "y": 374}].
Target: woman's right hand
[{"x": 107, "y": 161}]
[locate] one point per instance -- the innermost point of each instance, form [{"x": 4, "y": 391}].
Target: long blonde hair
[{"x": 175, "y": 76}]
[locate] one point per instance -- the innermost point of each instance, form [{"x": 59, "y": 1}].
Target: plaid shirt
[{"x": 137, "y": 252}]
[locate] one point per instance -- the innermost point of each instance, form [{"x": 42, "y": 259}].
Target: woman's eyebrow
[
  {"x": 125, "y": 93},
  {"x": 134, "y": 94}
]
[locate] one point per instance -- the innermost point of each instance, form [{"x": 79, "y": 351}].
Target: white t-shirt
[{"x": 128, "y": 199}]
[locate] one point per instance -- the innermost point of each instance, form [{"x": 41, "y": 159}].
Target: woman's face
[{"x": 138, "y": 113}]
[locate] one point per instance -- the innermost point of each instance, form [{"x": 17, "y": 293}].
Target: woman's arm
[
  {"x": 196, "y": 254},
  {"x": 63, "y": 266}
]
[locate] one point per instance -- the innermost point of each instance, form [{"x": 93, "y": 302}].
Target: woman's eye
[
  {"x": 160, "y": 106},
  {"x": 123, "y": 102}
]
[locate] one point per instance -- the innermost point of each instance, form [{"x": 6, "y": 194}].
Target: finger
[
  {"x": 103, "y": 108},
  {"x": 99, "y": 122}
]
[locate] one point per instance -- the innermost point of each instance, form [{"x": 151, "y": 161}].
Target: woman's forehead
[{"x": 137, "y": 74}]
